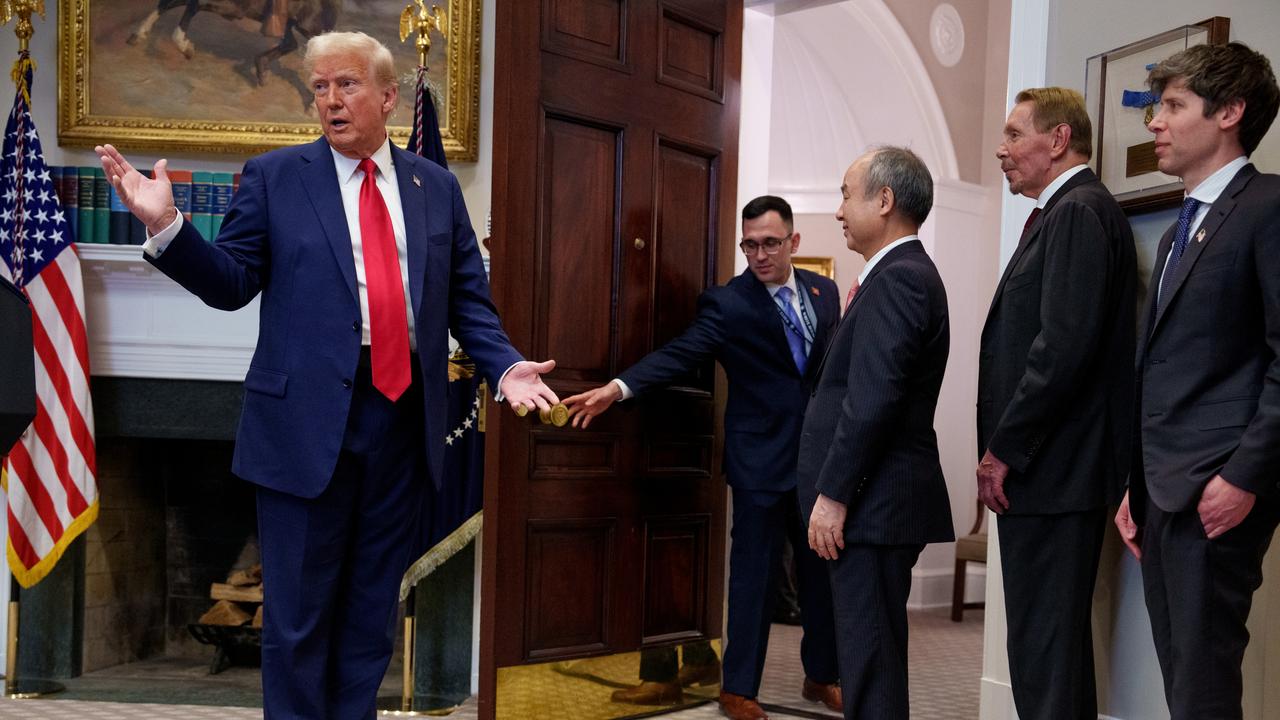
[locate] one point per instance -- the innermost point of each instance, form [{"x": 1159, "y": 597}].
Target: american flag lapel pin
[
  {"x": 815, "y": 291},
  {"x": 417, "y": 181},
  {"x": 1200, "y": 235}
]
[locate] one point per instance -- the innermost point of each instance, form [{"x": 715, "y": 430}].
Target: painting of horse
[{"x": 183, "y": 66}]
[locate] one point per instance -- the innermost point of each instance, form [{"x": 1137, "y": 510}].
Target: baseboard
[
  {"x": 995, "y": 701},
  {"x": 933, "y": 588}
]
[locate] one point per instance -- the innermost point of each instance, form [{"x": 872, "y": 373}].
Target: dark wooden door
[{"x": 615, "y": 142}]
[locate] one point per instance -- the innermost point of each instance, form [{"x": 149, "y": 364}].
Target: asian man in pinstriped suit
[
  {"x": 766, "y": 327},
  {"x": 870, "y": 480}
]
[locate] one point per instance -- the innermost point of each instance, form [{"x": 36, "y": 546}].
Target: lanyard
[{"x": 804, "y": 317}]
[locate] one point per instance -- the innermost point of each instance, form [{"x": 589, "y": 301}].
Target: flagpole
[{"x": 15, "y": 687}]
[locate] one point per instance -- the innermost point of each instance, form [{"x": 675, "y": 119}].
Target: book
[
  {"x": 85, "y": 209},
  {"x": 202, "y": 203},
  {"x": 117, "y": 218},
  {"x": 138, "y": 231},
  {"x": 221, "y": 201},
  {"x": 101, "y": 207},
  {"x": 69, "y": 194},
  {"x": 180, "y": 181}
]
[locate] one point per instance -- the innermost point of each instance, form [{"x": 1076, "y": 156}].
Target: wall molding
[{"x": 932, "y": 588}]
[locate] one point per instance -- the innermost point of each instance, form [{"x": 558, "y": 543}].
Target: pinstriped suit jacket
[{"x": 868, "y": 438}]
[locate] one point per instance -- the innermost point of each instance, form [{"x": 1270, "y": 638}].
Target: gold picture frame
[
  {"x": 824, "y": 266},
  {"x": 160, "y": 97}
]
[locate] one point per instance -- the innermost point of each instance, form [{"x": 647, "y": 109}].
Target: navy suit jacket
[
  {"x": 739, "y": 325},
  {"x": 868, "y": 438},
  {"x": 1208, "y": 360},
  {"x": 285, "y": 235}
]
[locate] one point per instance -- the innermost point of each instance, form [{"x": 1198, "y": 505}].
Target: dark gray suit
[
  {"x": 1055, "y": 400},
  {"x": 1209, "y": 403},
  {"x": 868, "y": 441}
]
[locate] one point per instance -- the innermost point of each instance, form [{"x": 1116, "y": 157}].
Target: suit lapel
[
  {"x": 1033, "y": 233},
  {"x": 884, "y": 262},
  {"x": 1199, "y": 240},
  {"x": 320, "y": 179},
  {"x": 805, "y": 289},
  {"x": 413, "y": 202}
]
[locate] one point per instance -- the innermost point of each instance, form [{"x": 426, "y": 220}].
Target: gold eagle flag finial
[
  {"x": 22, "y": 9},
  {"x": 422, "y": 21}
]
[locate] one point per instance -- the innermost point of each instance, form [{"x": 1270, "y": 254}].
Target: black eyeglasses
[{"x": 771, "y": 245}]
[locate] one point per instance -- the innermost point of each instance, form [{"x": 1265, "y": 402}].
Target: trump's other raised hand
[
  {"x": 149, "y": 199},
  {"x": 585, "y": 406}
]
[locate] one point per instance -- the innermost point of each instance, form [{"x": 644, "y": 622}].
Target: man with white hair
[{"x": 366, "y": 260}]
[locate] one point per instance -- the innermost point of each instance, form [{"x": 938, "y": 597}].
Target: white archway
[{"x": 837, "y": 68}]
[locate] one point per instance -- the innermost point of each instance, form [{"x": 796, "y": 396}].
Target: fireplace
[{"x": 172, "y": 519}]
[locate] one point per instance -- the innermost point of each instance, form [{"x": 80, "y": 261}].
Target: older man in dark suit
[
  {"x": 766, "y": 327},
  {"x": 1055, "y": 398},
  {"x": 365, "y": 260},
  {"x": 1202, "y": 503},
  {"x": 870, "y": 480}
]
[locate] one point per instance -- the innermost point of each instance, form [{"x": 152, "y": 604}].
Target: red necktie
[
  {"x": 848, "y": 299},
  {"x": 388, "y": 323},
  {"x": 1035, "y": 212}
]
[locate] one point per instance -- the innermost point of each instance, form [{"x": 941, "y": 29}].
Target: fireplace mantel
[{"x": 141, "y": 324}]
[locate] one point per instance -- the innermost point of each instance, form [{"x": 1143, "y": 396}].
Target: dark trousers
[
  {"x": 870, "y": 584},
  {"x": 663, "y": 664},
  {"x": 1050, "y": 563},
  {"x": 332, "y": 564},
  {"x": 762, "y": 523},
  {"x": 1198, "y": 596}
]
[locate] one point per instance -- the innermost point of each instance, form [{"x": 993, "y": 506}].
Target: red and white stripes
[{"x": 52, "y": 471}]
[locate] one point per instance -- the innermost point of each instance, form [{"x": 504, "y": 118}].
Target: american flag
[{"x": 50, "y": 474}]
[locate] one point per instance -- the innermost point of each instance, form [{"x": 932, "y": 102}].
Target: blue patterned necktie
[
  {"x": 1180, "y": 237},
  {"x": 795, "y": 336}
]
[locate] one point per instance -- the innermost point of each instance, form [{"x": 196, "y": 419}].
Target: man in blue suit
[
  {"x": 766, "y": 327},
  {"x": 366, "y": 260}
]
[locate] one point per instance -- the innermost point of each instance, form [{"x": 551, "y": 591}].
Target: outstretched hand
[
  {"x": 149, "y": 199},
  {"x": 523, "y": 386},
  {"x": 585, "y": 406}
]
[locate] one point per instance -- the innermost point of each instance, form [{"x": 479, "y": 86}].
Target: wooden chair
[{"x": 969, "y": 548}]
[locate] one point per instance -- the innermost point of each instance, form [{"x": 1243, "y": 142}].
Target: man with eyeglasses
[{"x": 767, "y": 327}]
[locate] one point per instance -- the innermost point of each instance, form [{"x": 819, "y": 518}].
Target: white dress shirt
[
  {"x": 866, "y": 270},
  {"x": 1207, "y": 193},
  {"x": 1047, "y": 194}
]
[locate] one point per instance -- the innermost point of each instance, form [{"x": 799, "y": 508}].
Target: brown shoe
[
  {"x": 708, "y": 674},
  {"x": 650, "y": 693},
  {"x": 736, "y": 707},
  {"x": 828, "y": 695}
]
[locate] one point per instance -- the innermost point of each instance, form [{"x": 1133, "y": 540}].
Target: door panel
[
  {"x": 591, "y": 30},
  {"x": 579, "y": 186},
  {"x": 615, "y": 136},
  {"x": 568, "y": 612}
]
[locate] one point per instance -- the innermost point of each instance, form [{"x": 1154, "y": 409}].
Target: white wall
[
  {"x": 847, "y": 75},
  {"x": 1129, "y": 683}
]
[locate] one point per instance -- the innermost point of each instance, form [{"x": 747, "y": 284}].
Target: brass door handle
[
  {"x": 639, "y": 243},
  {"x": 557, "y": 415}
]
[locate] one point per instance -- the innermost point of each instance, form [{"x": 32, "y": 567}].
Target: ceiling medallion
[{"x": 946, "y": 34}]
